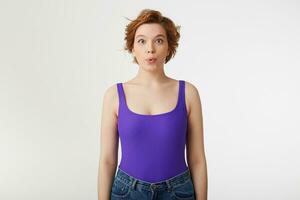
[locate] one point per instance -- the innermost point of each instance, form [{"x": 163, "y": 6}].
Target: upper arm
[
  {"x": 109, "y": 139},
  {"x": 195, "y": 138}
]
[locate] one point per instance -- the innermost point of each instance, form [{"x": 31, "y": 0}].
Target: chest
[{"x": 151, "y": 102}]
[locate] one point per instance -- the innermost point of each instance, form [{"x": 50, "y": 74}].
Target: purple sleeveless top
[{"x": 153, "y": 146}]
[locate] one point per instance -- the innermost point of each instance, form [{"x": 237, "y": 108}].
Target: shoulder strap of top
[
  {"x": 182, "y": 93},
  {"x": 121, "y": 94}
]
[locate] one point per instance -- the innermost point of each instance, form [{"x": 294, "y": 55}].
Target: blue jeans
[{"x": 179, "y": 187}]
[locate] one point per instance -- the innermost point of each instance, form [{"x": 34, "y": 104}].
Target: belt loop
[
  {"x": 134, "y": 183},
  {"x": 169, "y": 185}
]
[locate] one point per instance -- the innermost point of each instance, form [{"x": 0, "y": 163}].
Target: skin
[{"x": 151, "y": 85}]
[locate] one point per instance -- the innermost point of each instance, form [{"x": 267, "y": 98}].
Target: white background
[{"x": 57, "y": 57}]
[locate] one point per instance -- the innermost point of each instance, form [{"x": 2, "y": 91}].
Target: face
[{"x": 150, "y": 42}]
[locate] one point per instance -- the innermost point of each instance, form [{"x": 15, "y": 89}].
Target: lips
[{"x": 152, "y": 59}]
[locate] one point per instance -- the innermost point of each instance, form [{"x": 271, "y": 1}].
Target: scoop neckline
[{"x": 153, "y": 115}]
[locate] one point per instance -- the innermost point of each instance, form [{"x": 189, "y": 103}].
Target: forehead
[{"x": 150, "y": 30}]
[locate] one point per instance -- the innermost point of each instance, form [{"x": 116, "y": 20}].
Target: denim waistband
[{"x": 162, "y": 185}]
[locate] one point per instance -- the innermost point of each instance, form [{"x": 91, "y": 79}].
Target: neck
[{"x": 151, "y": 77}]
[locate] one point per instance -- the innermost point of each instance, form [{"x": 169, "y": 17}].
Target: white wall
[{"x": 58, "y": 57}]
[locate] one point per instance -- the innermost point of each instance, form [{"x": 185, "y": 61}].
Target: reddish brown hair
[{"x": 153, "y": 16}]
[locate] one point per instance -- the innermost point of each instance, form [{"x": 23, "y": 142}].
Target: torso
[{"x": 153, "y": 133}]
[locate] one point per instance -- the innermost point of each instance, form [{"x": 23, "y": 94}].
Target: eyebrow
[{"x": 155, "y": 36}]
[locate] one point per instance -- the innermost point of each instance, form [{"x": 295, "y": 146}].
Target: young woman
[{"x": 155, "y": 117}]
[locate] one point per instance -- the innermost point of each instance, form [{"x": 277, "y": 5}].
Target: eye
[
  {"x": 140, "y": 40},
  {"x": 160, "y": 40}
]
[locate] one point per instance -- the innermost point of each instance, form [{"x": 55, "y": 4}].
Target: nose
[{"x": 150, "y": 48}]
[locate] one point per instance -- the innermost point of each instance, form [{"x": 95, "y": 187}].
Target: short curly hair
[{"x": 147, "y": 16}]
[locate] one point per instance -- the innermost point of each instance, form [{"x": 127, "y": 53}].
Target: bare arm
[
  {"x": 195, "y": 143},
  {"x": 109, "y": 142}
]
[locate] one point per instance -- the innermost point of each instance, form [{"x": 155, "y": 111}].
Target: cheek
[
  {"x": 166, "y": 52},
  {"x": 138, "y": 49}
]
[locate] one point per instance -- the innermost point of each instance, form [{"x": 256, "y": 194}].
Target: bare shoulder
[
  {"x": 110, "y": 98},
  {"x": 192, "y": 95},
  {"x": 191, "y": 89}
]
